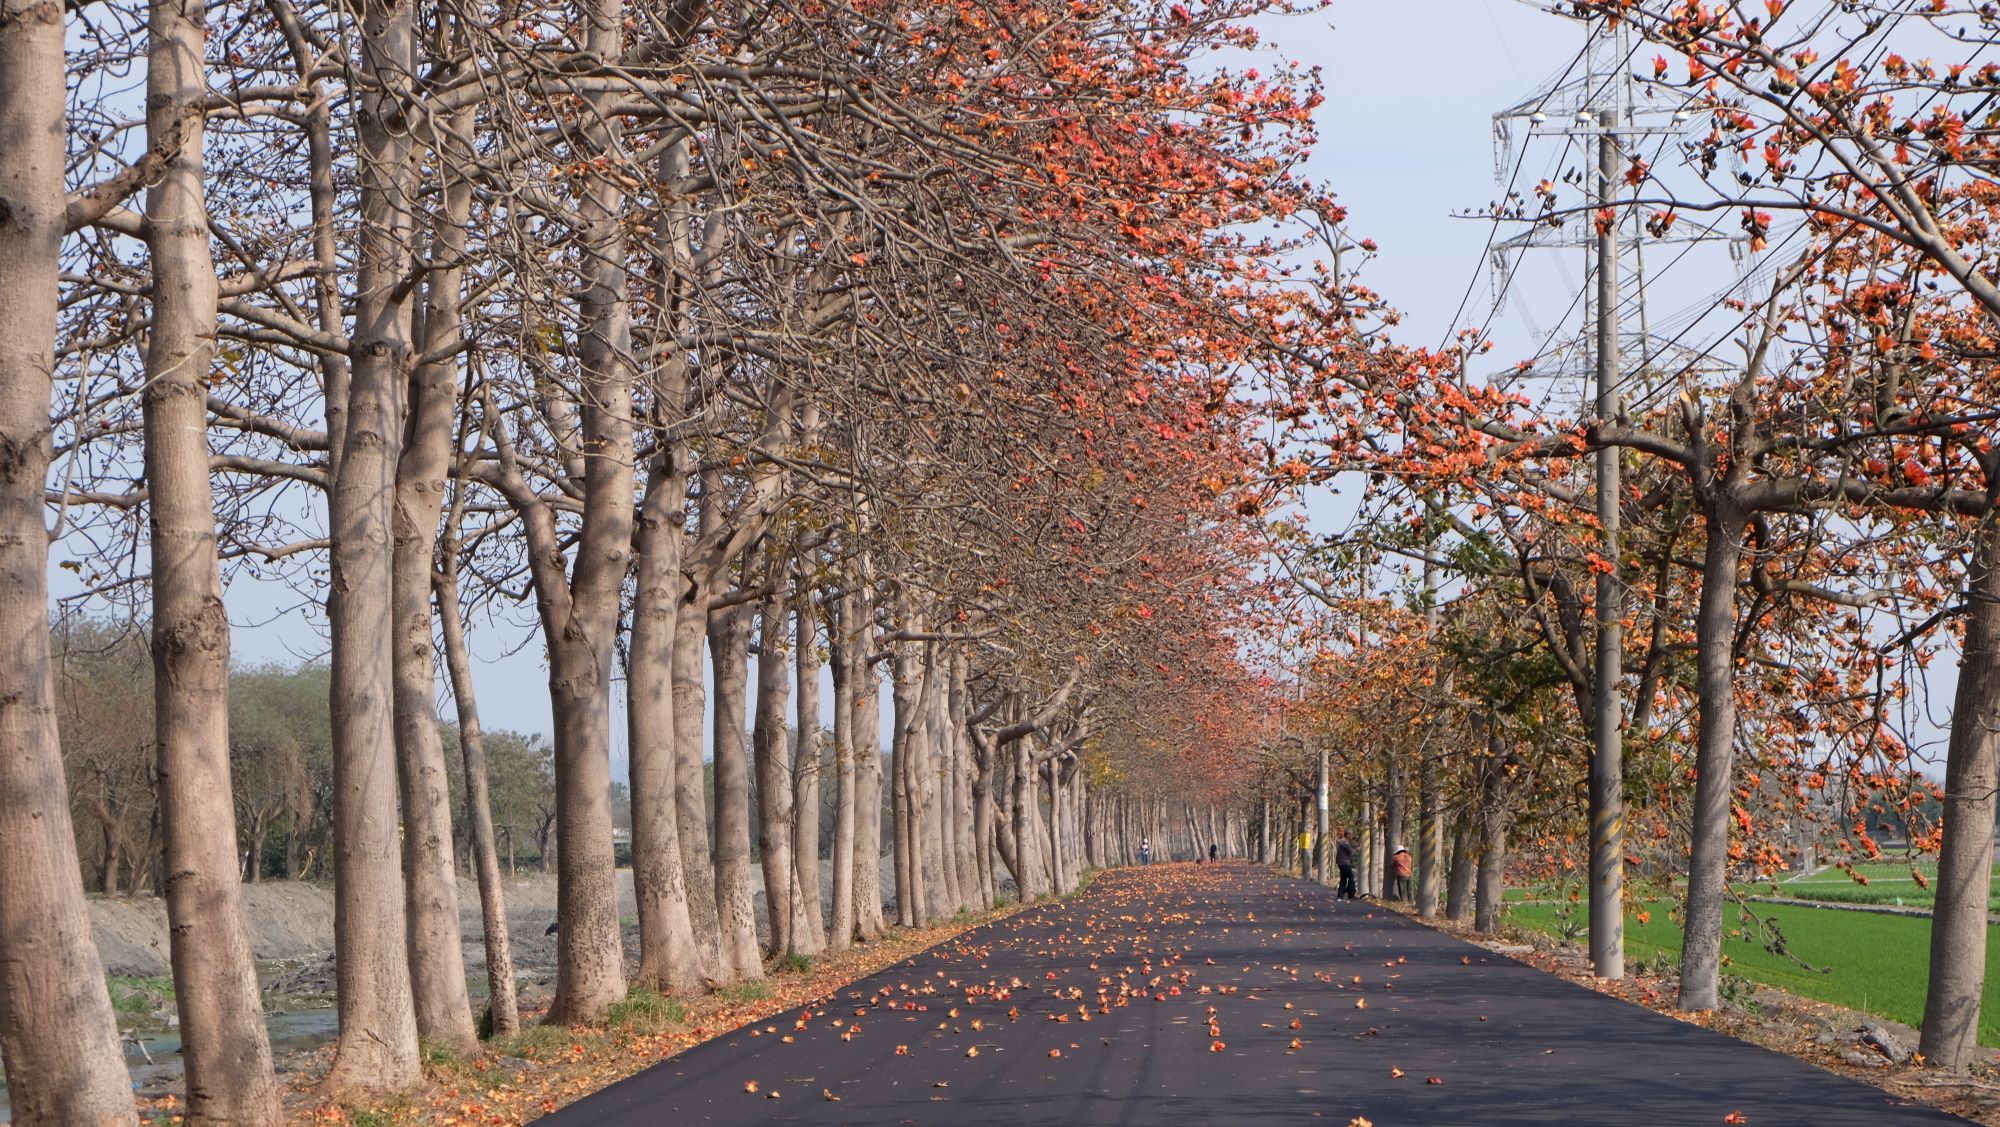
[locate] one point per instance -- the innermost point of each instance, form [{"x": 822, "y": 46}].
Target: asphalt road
[{"x": 1218, "y": 994}]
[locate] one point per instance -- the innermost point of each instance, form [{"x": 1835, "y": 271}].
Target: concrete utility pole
[
  {"x": 1614, "y": 346},
  {"x": 1430, "y": 818},
  {"x": 1607, "y": 760}
]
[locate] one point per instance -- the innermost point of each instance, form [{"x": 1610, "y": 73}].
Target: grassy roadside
[
  {"x": 545, "y": 1067},
  {"x": 1864, "y": 961},
  {"x": 1782, "y": 1018}
]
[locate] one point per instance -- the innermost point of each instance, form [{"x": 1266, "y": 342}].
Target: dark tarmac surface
[{"x": 1219, "y": 994}]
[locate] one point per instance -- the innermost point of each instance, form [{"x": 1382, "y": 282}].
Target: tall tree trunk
[
  {"x": 502, "y": 1003},
  {"x": 1430, "y": 837},
  {"x": 939, "y": 893},
  {"x": 690, "y": 695},
  {"x": 666, "y": 814},
  {"x": 1972, "y": 776},
  {"x": 900, "y": 822},
  {"x": 376, "y": 1053},
  {"x": 436, "y": 952},
  {"x": 982, "y": 821},
  {"x": 1495, "y": 814},
  {"x": 590, "y": 958},
  {"x": 772, "y": 749},
  {"x": 1264, "y": 831},
  {"x": 1058, "y": 818},
  {"x": 843, "y": 641},
  {"x": 260, "y": 826},
  {"x": 670, "y": 959},
  {"x": 1715, "y": 751},
  {"x": 1002, "y": 783},
  {"x": 1028, "y": 870},
  {"x": 1394, "y": 803},
  {"x": 908, "y": 697},
  {"x": 868, "y": 922},
  {"x": 966, "y": 791},
  {"x": 1372, "y": 856},
  {"x": 1464, "y": 865},
  {"x": 590, "y": 971},
  {"x": 944, "y": 791},
  {"x": 728, "y": 644},
  {"x": 808, "y": 920},
  {"x": 225, "y": 1049}
]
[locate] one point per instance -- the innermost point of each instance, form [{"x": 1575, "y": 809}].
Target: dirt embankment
[
  {"x": 291, "y": 929},
  {"x": 288, "y": 920},
  {"x": 291, "y": 924}
]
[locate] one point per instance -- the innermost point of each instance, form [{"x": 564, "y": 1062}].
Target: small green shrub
[
  {"x": 645, "y": 1010},
  {"x": 1657, "y": 965},
  {"x": 793, "y": 964},
  {"x": 744, "y": 992},
  {"x": 1738, "y": 993}
]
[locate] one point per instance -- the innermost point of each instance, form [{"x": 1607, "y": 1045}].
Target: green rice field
[
  {"x": 1872, "y": 962},
  {"x": 1889, "y": 883}
]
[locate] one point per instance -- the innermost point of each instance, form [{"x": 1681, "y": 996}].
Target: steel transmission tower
[{"x": 1597, "y": 100}]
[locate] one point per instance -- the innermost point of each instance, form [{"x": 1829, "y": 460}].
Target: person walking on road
[
  {"x": 1343, "y": 859},
  {"x": 1145, "y": 851},
  {"x": 1399, "y": 873},
  {"x": 1211, "y": 851}
]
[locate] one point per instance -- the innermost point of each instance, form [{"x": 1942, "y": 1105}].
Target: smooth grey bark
[
  {"x": 939, "y": 890},
  {"x": 868, "y": 922},
  {"x": 984, "y": 845},
  {"x": 430, "y": 875},
  {"x": 1972, "y": 776},
  {"x": 1028, "y": 865},
  {"x": 843, "y": 643},
  {"x": 590, "y": 958},
  {"x": 503, "y": 1005},
  {"x": 671, "y": 960},
  {"x": 966, "y": 792},
  {"x": 728, "y": 645},
  {"x": 690, "y": 700},
  {"x": 578, "y": 613},
  {"x": 941, "y": 803},
  {"x": 224, "y": 1046},
  {"x": 1375, "y": 853},
  {"x": 58, "y": 1036},
  {"x": 1495, "y": 821},
  {"x": 1264, "y": 831},
  {"x": 1464, "y": 866},
  {"x": 1430, "y": 834},
  {"x": 902, "y": 821},
  {"x": 376, "y": 1053},
  {"x": 1715, "y": 751},
  {"x": 1003, "y": 809},
  {"x": 1053, "y": 776},
  {"x": 673, "y": 956},
  {"x": 910, "y": 697},
  {"x": 1394, "y": 803},
  {"x": 771, "y": 747},
  {"x": 808, "y": 920}
]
